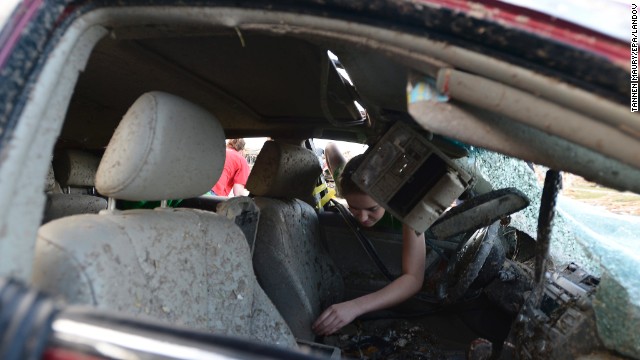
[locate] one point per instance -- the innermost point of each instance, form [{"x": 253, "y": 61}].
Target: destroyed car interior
[{"x": 119, "y": 131}]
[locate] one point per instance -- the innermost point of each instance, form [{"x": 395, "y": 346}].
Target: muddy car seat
[
  {"x": 183, "y": 266},
  {"x": 289, "y": 258},
  {"x": 74, "y": 171}
]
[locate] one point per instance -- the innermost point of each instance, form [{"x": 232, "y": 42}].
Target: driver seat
[
  {"x": 183, "y": 266},
  {"x": 290, "y": 259}
]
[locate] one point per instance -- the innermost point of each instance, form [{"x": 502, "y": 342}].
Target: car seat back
[
  {"x": 73, "y": 171},
  {"x": 290, "y": 261},
  {"x": 183, "y": 266}
]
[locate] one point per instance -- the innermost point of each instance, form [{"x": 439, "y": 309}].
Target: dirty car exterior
[{"x": 488, "y": 83}]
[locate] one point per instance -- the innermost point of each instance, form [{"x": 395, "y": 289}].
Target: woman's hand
[
  {"x": 335, "y": 317},
  {"x": 402, "y": 288}
]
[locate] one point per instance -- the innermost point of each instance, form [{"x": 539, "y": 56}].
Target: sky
[
  {"x": 611, "y": 17},
  {"x": 5, "y": 9}
]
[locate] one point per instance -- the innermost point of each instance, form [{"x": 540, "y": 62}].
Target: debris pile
[{"x": 396, "y": 340}]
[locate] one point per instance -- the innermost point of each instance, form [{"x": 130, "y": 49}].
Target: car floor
[{"x": 444, "y": 334}]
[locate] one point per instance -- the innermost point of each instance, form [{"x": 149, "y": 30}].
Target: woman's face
[{"x": 364, "y": 208}]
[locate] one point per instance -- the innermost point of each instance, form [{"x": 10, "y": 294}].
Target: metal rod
[
  {"x": 552, "y": 185},
  {"x": 111, "y": 204}
]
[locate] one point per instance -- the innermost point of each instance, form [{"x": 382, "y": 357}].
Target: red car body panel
[{"x": 540, "y": 24}]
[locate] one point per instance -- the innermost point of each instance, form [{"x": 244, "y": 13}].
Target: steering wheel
[{"x": 465, "y": 266}]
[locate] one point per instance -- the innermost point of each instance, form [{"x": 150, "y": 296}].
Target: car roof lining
[
  {"x": 295, "y": 112},
  {"x": 234, "y": 78}
]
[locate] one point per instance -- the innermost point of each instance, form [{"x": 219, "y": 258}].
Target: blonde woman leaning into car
[{"x": 369, "y": 213}]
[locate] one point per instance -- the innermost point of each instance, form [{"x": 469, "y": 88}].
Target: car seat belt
[{"x": 364, "y": 241}]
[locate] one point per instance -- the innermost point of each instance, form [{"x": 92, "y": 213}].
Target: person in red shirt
[{"x": 235, "y": 172}]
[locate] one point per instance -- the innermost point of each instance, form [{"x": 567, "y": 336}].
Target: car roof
[{"x": 265, "y": 73}]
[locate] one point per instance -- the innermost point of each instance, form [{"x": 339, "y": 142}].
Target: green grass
[{"x": 615, "y": 201}]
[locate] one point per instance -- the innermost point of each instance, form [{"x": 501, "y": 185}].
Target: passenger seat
[{"x": 183, "y": 266}]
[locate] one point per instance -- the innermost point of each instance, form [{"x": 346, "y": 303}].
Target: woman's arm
[
  {"x": 409, "y": 283},
  {"x": 239, "y": 190}
]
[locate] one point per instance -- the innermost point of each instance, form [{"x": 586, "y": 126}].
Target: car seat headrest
[
  {"x": 165, "y": 147},
  {"x": 76, "y": 168},
  {"x": 284, "y": 170}
]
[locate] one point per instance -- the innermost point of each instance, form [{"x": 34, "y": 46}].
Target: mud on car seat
[
  {"x": 290, "y": 260},
  {"x": 183, "y": 266}
]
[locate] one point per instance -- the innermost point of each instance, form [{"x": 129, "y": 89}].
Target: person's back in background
[{"x": 235, "y": 173}]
